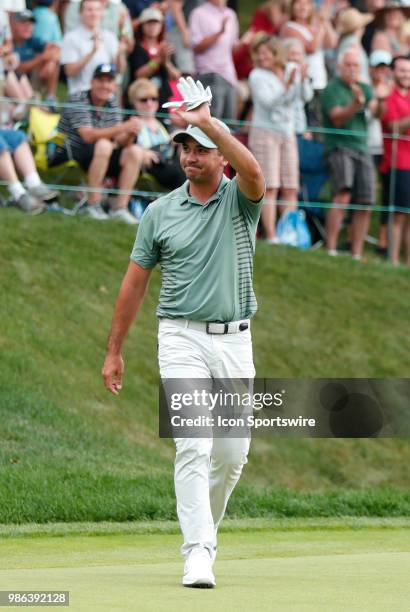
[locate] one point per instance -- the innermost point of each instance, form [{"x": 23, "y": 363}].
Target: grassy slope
[{"x": 69, "y": 451}]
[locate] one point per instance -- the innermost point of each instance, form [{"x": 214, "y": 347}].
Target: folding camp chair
[{"x": 44, "y": 138}]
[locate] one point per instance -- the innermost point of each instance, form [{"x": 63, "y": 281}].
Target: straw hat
[
  {"x": 351, "y": 20},
  {"x": 391, "y": 5}
]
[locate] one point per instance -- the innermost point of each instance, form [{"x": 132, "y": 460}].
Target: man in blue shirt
[{"x": 39, "y": 60}]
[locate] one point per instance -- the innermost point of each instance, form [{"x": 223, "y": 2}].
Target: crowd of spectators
[{"x": 332, "y": 73}]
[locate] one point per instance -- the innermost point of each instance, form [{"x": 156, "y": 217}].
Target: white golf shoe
[{"x": 198, "y": 569}]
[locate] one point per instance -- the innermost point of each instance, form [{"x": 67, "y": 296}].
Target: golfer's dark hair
[{"x": 397, "y": 59}]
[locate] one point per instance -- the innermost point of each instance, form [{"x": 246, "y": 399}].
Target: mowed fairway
[{"x": 313, "y": 565}]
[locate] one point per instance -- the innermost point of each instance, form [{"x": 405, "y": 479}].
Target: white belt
[{"x": 212, "y": 327}]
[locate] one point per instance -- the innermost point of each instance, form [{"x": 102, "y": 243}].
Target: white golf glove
[{"x": 194, "y": 94}]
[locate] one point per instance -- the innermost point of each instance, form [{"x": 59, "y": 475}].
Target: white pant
[{"x": 206, "y": 469}]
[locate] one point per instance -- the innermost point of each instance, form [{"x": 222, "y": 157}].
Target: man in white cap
[{"x": 203, "y": 236}]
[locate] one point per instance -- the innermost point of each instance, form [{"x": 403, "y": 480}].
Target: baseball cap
[
  {"x": 22, "y": 16},
  {"x": 380, "y": 56},
  {"x": 105, "y": 70},
  {"x": 151, "y": 14},
  {"x": 198, "y": 135}
]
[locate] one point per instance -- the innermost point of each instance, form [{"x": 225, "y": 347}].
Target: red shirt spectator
[{"x": 397, "y": 106}]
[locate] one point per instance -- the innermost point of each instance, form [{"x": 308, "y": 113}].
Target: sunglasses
[{"x": 151, "y": 99}]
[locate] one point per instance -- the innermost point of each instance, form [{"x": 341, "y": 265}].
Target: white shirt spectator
[
  {"x": 272, "y": 102},
  {"x": 78, "y": 43}
]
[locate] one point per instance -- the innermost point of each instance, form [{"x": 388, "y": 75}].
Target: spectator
[
  {"x": 159, "y": 154},
  {"x": 100, "y": 143},
  {"x": 371, "y": 6},
  {"x": 47, "y": 26},
  {"x": 115, "y": 18},
  {"x": 38, "y": 60},
  {"x": 296, "y": 57},
  {"x": 396, "y": 159},
  {"x": 16, "y": 153},
  {"x": 382, "y": 83},
  {"x": 178, "y": 34},
  {"x": 136, "y": 7},
  {"x": 268, "y": 18},
  {"x": 272, "y": 135},
  {"x": 6, "y": 47},
  {"x": 315, "y": 30},
  {"x": 10, "y": 85},
  {"x": 88, "y": 46},
  {"x": 351, "y": 24},
  {"x": 214, "y": 32},
  {"x": 350, "y": 166},
  {"x": 152, "y": 55},
  {"x": 389, "y": 23}
]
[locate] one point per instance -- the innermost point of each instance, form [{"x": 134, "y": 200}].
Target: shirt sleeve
[
  {"x": 69, "y": 49},
  {"x": 139, "y": 57},
  {"x": 146, "y": 250},
  {"x": 80, "y": 116},
  {"x": 391, "y": 112},
  {"x": 38, "y": 45},
  {"x": 113, "y": 46},
  {"x": 328, "y": 99},
  {"x": 196, "y": 32},
  {"x": 250, "y": 209}
]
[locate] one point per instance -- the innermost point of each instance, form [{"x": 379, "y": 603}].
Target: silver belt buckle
[{"x": 225, "y": 327}]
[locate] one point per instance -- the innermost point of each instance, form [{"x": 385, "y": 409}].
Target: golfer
[{"x": 203, "y": 236}]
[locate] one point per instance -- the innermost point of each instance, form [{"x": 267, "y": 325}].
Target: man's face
[
  {"x": 402, "y": 73},
  {"x": 350, "y": 67},
  {"x": 91, "y": 13},
  {"x": 102, "y": 88},
  {"x": 22, "y": 30},
  {"x": 199, "y": 163}
]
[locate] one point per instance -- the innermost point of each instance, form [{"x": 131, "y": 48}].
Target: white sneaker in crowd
[
  {"x": 29, "y": 204},
  {"x": 198, "y": 569},
  {"x": 332, "y": 252},
  {"x": 95, "y": 211},
  {"x": 42, "y": 192},
  {"x": 124, "y": 215}
]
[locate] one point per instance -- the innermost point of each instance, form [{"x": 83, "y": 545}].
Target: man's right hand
[
  {"x": 358, "y": 95},
  {"x": 112, "y": 373},
  {"x": 132, "y": 125}
]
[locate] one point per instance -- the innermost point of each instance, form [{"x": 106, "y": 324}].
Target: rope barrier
[{"x": 153, "y": 195}]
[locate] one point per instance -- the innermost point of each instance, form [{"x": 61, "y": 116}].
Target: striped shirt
[
  {"x": 205, "y": 252},
  {"x": 78, "y": 114}
]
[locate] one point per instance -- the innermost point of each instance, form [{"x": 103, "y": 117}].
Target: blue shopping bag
[{"x": 293, "y": 230}]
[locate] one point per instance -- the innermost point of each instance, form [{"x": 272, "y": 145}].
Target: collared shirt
[
  {"x": 339, "y": 93},
  {"x": 78, "y": 43},
  {"x": 396, "y": 107},
  {"x": 205, "y": 252},
  {"x": 205, "y": 21},
  {"x": 78, "y": 114}
]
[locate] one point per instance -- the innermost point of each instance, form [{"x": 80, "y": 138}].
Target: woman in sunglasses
[{"x": 160, "y": 158}]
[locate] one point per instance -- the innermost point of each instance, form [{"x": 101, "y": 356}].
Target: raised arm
[
  {"x": 128, "y": 303},
  {"x": 248, "y": 172}
]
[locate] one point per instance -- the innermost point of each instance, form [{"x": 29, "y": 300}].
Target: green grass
[
  {"x": 71, "y": 452},
  {"x": 300, "y": 567}
]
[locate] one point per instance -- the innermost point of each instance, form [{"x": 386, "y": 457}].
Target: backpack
[{"x": 293, "y": 230}]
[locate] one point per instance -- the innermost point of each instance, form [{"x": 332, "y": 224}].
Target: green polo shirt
[
  {"x": 338, "y": 93},
  {"x": 205, "y": 252}
]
